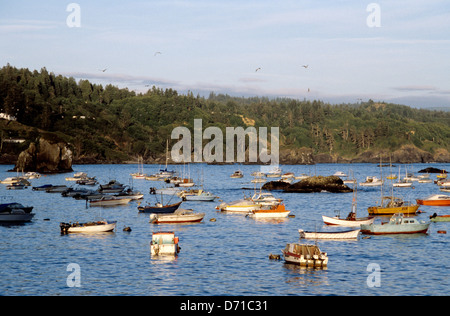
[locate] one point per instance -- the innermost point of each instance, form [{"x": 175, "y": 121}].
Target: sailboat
[
  {"x": 164, "y": 173},
  {"x": 401, "y": 183},
  {"x": 140, "y": 174}
]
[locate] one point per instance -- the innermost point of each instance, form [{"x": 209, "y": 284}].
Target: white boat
[
  {"x": 339, "y": 174},
  {"x": 140, "y": 173},
  {"x": 179, "y": 216},
  {"x": 371, "y": 182},
  {"x": 109, "y": 201},
  {"x": 274, "y": 173},
  {"x": 288, "y": 175},
  {"x": 301, "y": 177},
  {"x": 242, "y": 206},
  {"x": 166, "y": 191},
  {"x": 237, "y": 174},
  {"x": 11, "y": 180},
  {"x": 349, "y": 221},
  {"x": 258, "y": 174},
  {"x": 402, "y": 184},
  {"x": 164, "y": 243},
  {"x": 305, "y": 255},
  {"x": 338, "y": 235},
  {"x": 265, "y": 198},
  {"x": 272, "y": 211},
  {"x": 77, "y": 176},
  {"x": 398, "y": 224},
  {"x": 197, "y": 195},
  {"x": 89, "y": 227}
]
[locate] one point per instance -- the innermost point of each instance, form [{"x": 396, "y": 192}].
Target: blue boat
[{"x": 159, "y": 208}]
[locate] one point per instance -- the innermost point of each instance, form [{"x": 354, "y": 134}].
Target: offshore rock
[
  {"x": 50, "y": 155},
  {"x": 331, "y": 184}
]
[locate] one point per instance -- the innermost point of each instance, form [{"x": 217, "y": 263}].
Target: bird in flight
[
  {"x": 103, "y": 70},
  {"x": 259, "y": 68},
  {"x": 305, "y": 66},
  {"x": 156, "y": 53}
]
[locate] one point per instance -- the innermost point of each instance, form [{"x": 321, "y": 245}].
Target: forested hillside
[{"x": 112, "y": 124}]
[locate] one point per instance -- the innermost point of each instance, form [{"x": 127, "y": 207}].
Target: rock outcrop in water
[
  {"x": 48, "y": 155},
  {"x": 310, "y": 185}
]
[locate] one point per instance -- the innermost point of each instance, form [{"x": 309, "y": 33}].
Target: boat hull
[
  {"x": 336, "y": 221},
  {"x": 108, "y": 202},
  {"x": 377, "y": 210},
  {"x": 440, "y": 218},
  {"x": 350, "y": 234},
  {"x": 434, "y": 202},
  {"x": 11, "y": 217},
  {"x": 159, "y": 210},
  {"x": 380, "y": 230},
  {"x": 268, "y": 214},
  {"x": 89, "y": 228},
  {"x": 177, "y": 218}
]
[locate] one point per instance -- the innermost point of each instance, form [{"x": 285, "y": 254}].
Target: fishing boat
[
  {"x": 435, "y": 200},
  {"x": 179, "y": 216},
  {"x": 351, "y": 220},
  {"x": 15, "y": 212},
  {"x": 371, "y": 182},
  {"x": 159, "y": 208},
  {"x": 398, "y": 224},
  {"x": 237, "y": 174},
  {"x": 270, "y": 211},
  {"x": 392, "y": 205},
  {"x": 164, "y": 243},
  {"x": 112, "y": 186},
  {"x": 305, "y": 255},
  {"x": 242, "y": 206},
  {"x": 337, "y": 235},
  {"x": 89, "y": 227},
  {"x": 109, "y": 201},
  {"x": 197, "y": 195}
]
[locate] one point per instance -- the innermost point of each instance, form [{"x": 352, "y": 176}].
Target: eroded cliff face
[{"x": 47, "y": 156}]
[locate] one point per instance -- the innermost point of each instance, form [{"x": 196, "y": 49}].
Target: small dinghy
[
  {"x": 164, "y": 243},
  {"x": 337, "y": 235},
  {"x": 179, "y": 216},
  {"x": 89, "y": 227}
]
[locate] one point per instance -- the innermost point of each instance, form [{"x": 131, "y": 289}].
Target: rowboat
[
  {"x": 109, "y": 201},
  {"x": 164, "y": 243},
  {"x": 439, "y": 218},
  {"x": 159, "y": 208},
  {"x": 305, "y": 255},
  {"x": 338, "y": 235},
  {"x": 398, "y": 224},
  {"x": 89, "y": 227},
  {"x": 179, "y": 216},
  {"x": 349, "y": 221},
  {"x": 272, "y": 211},
  {"x": 392, "y": 205},
  {"x": 435, "y": 200}
]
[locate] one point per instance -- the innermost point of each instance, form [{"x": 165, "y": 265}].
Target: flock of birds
[{"x": 159, "y": 53}]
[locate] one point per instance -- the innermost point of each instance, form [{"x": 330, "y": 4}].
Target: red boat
[{"x": 435, "y": 200}]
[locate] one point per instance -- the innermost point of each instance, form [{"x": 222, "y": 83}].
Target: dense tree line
[{"x": 115, "y": 124}]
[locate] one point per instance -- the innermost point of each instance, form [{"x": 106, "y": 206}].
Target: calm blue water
[{"x": 226, "y": 257}]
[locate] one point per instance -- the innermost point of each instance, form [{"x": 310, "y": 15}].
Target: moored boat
[
  {"x": 159, "y": 208},
  {"x": 197, "y": 195},
  {"x": 398, "y": 224},
  {"x": 15, "y": 212},
  {"x": 109, "y": 201},
  {"x": 371, "y": 182},
  {"x": 271, "y": 211},
  {"x": 349, "y": 221},
  {"x": 435, "y": 200},
  {"x": 439, "y": 218},
  {"x": 88, "y": 227},
  {"x": 179, "y": 216},
  {"x": 305, "y": 255},
  {"x": 393, "y": 205},
  {"x": 164, "y": 243},
  {"x": 242, "y": 206},
  {"x": 337, "y": 235},
  {"x": 237, "y": 174}
]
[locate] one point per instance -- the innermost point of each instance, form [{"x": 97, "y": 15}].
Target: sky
[{"x": 392, "y": 51}]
